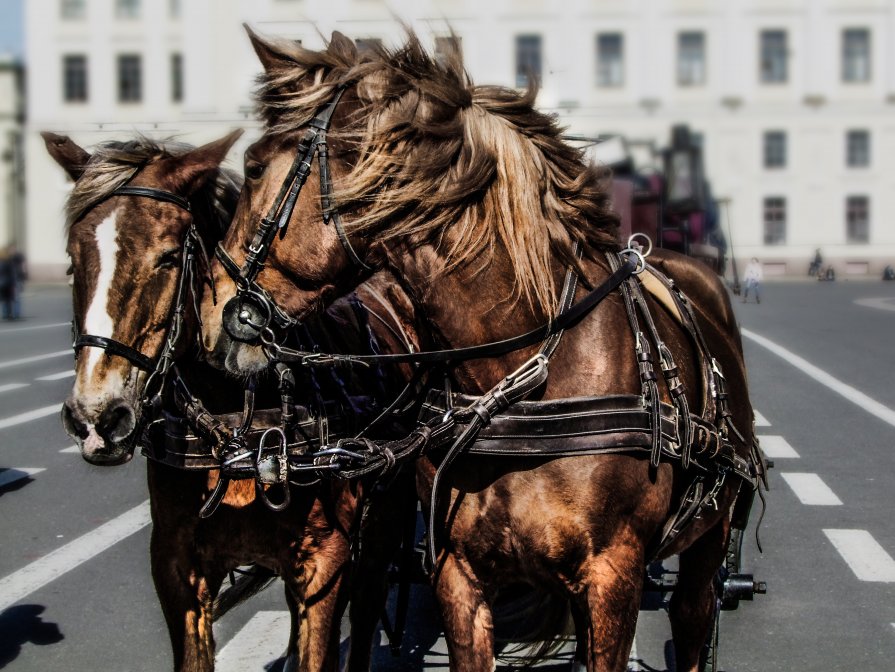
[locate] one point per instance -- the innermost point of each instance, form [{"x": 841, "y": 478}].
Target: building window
[
  {"x": 610, "y": 59},
  {"x": 446, "y": 46},
  {"x": 775, "y": 220},
  {"x": 773, "y": 56},
  {"x": 775, "y": 149},
  {"x": 691, "y": 59},
  {"x": 856, "y": 55},
  {"x": 127, "y": 9},
  {"x": 176, "y": 78},
  {"x": 73, "y": 9},
  {"x": 857, "y": 219},
  {"x": 130, "y": 85},
  {"x": 174, "y": 9},
  {"x": 857, "y": 149},
  {"x": 528, "y": 59},
  {"x": 74, "y": 78}
]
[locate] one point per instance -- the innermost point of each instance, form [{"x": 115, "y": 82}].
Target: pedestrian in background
[
  {"x": 12, "y": 280},
  {"x": 752, "y": 280}
]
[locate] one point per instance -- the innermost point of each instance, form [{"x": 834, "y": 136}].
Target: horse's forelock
[{"x": 113, "y": 164}]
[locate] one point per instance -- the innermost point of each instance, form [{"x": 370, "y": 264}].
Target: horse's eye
[
  {"x": 168, "y": 259},
  {"x": 254, "y": 170}
]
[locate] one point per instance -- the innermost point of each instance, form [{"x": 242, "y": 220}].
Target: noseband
[
  {"x": 248, "y": 315},
  {"x": 157, "y": 368}
]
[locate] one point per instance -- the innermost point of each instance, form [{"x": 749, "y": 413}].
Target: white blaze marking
[
  {"x": 98, "y": 322},
  {"x": 811, "y": 490},
  {"x": 866, "y": 558},
  {"x": 39, "y": 573},
  {"x": 261, "y": 641},
  {"x": 776, "y": 446}
]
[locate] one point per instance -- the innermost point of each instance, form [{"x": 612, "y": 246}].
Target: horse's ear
[
  {"x": 66, "y": 153},
  {"x": 273, "y": 54},
  {"x": 342, "y": 46},
  {"x": 196, "y": 166}
]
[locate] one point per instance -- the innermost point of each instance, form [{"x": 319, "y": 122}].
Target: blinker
[{"x": 245, "y": 316}]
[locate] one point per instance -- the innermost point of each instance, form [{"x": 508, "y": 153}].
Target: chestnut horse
[
  {"x": 127, "y": 249},
  {"x": 469, "y": 197}
]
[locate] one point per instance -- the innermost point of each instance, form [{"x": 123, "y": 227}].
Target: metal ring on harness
[
  {"x": 641, "y": 258},
  {"x": 246, "y": 316},
  {"x": 272, "y": 470},
  {"x": 633, "y": 238}
]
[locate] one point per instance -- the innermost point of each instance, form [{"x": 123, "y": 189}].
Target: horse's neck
[{"x": 459, "y": 310}]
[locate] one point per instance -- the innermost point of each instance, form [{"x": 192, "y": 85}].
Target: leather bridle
[
  {"x": 248, "y": 316},
  {"x": 157, "y": 367}
]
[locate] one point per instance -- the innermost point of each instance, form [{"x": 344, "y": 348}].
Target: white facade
[{"x": 732, "y": 108}]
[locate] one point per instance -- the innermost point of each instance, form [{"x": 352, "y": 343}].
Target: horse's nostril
[
  {"x": 74, "y": 426},
  {"x": 116, "y": 422}
]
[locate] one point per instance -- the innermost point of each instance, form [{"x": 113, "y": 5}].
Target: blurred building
[
  {"x": 792, "y": 99},
  {"x": 12, "y": 167}
]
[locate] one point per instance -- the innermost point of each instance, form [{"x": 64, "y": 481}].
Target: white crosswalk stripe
[
  {"x": 30, "y": 578},
  {"x": 811, "y": 490},
  {"x": 58, "y": 376},
  {"x": 28, "y": 416},
  {"x": 260, "y": 642},
  {"x": 863, "y": 554},
  {"x": 12, "y": 386},
  {"x": 775, "y": 446},
  {"x": 760, "y": 420},
  {"x": 37, "y": 358}
]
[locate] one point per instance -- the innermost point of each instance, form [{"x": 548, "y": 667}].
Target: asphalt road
[{"x": 75, "y": 591}]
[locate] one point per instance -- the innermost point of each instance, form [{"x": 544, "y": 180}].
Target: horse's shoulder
[{"x": 701, "y": 284}]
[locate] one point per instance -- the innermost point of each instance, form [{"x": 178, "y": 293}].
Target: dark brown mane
[
  {"x": 114, "y": 163},
  {"x": 436, "y": 159}
]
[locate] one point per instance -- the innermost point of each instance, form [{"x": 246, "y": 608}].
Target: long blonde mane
[{"x": 434, "y": 159}]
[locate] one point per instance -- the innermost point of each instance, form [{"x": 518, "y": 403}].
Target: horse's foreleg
[
  {"x": 186, "y": 598},
  {"x": 692, "y": 609},
  {"x": 609, "y": 598},
  {"x": 391, "y": 514},
  {"x": 317, "y": 599},
  {"x": 468, "y": 624}
]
